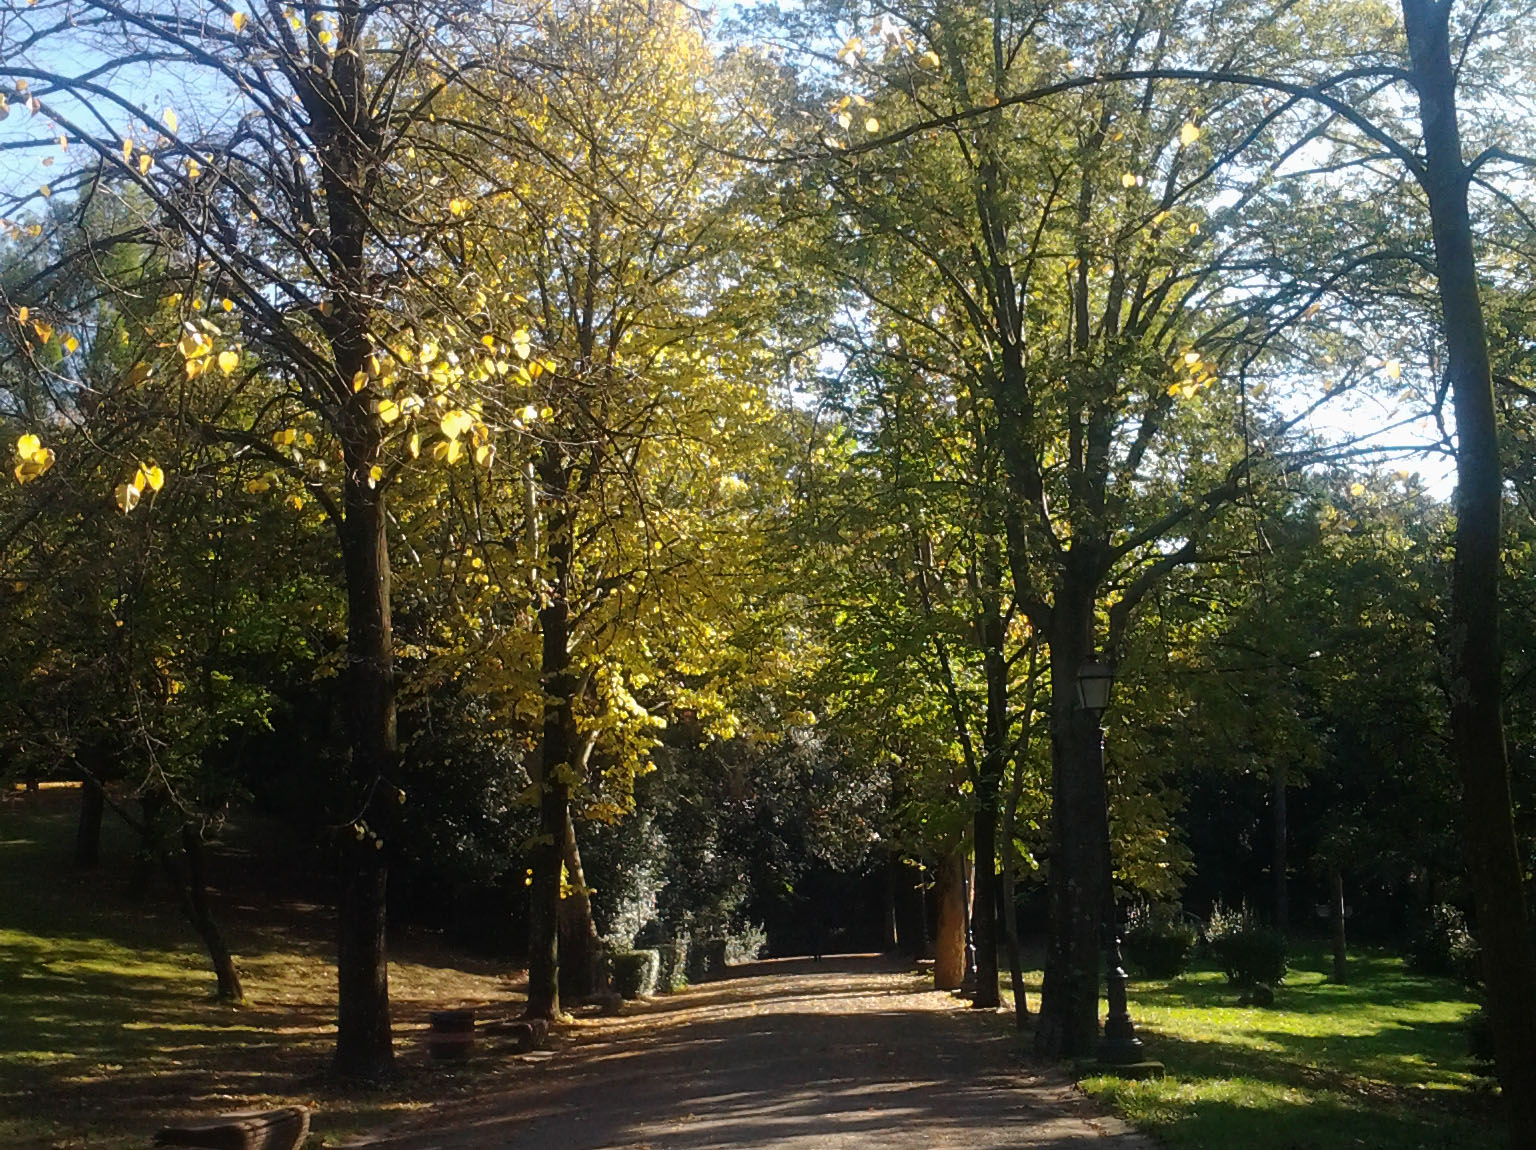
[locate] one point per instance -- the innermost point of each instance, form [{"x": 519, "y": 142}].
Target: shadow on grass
[
  {"x": 107, "y": 1027},
  {"x": 1379, "y": 1062}
]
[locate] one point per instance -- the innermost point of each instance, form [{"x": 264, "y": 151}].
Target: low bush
[
  {"x": 1249, "y": 953},
  {"x": 1158, "y": 940},
  {"x": 1443, "y": 945},
  {"x": 635, "y": 971}
]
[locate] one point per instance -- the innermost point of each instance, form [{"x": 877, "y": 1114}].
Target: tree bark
[
  {"x": 989, "y": 785},
  {"x": 364, "y": 1045},
  {"x": 1472, "y": 641},
  {"x": 949, "y": 946},
  {"x": 579, "y": 950},
  {"x": 554, "y": 811},
  {"x": 1278, "y": 858},
  {"x": 1079, "y": 881},
  {"x": 191, "y": 887},
  {"x": 88, "y": 829},
  {"x": 1336, "y": 910}
]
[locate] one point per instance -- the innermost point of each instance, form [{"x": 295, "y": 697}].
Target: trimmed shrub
[
  {"x": 1158, "y": 941},
  {"x": 706, "y": 958},
  {"x": 1443, "y": 945},
  {"x": 1249, "y": 954},
  {"x": 674, "y": 964},
  {"x": 634, "y": 972}
]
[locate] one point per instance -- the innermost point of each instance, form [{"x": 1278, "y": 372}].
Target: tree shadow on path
[{"x": 853, "y": 1052}]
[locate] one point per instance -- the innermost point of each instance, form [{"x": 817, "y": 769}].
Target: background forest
[{"x": 593, "y": 475}]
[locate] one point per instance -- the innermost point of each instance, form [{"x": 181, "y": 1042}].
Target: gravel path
[{"x": 845, "y": 1054}]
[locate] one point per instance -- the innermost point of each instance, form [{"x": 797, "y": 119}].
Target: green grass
[
  {"x": 108, "y": 1027},
  {"x": 1381, "y": 1062}
]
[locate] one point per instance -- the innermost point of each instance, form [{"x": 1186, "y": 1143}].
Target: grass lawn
[
  {"x": 107, "y": 1027},
  {"x": 1381, "y": 1062}
]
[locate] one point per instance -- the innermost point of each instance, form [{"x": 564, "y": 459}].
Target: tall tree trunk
[
  {"x": 579, "y": 950},
  {"x": 1477, "y": 730},
  {"x": 190, "y": 882},
  {"x": 989, "y": 783},
  {"x": 1079, "y": 882},
  {"x": 1011, "y": 897},
  {"x": 556, "y": 753},
  {"x": 1336, "y": 909},
  {"x": 88, "y": 829},
  {"x": 890, "y": 941},
  {"x": 364, "y": 1046},
  {"x": 949, "y": 946},
  {"x": 1278, "y": 860}
]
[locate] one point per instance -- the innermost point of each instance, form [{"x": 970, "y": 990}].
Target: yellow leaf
[
  {"x": 257, "y": 486},
  {"x": 127, "y": 150},
  {"x": 140, "y": 480},
  {"x": 45, "y": 191},
  {"x": 1188, "y": 134},
  {"x": 454, "y": 449},
  {"x": 194, "y": 345},
  {"x": 458, "y": 207},
  {"x": 1128, "y": 180},
  {"x": 169, "y": 116},
  {"x": 1393, "y": 369},
  {"x": 22, "y": 313},
  {"x": 484, "y": 454},
  {"x": 228, "y": 361},
  {"x": 389, "y": 410},
  {"x": 844, "y": 120},
  {"x": 530, "y": 413},
  {"x": 238, "y": 20},
  {"x": 359, "y": 380},
  {"x": 154, "y": 476},
  {"x": 28, "y": 446},
  {"x": 428, "y": 352},
  {"x": 196, "y": 367},
  {"x": 127, "y": 497},
  {"x": 227, "y": 304},
  {"x": 71, "y": 345},
  {"x": 929, "y": 59},
  {"x": 194, "y": 169},
  {"x": 1194, "y": 229},
  {"x": 1191, "y": 358},
  {"x": 522, "y": 343},
  {"x": 296, "y": 502},
  {"x": 145, "y": 160},
  {"x": 44, "y": 330},
  {"x": 413, "y": 445},
  {"x": 375, "y": 473},
  {"x": 871, "y": 125},
  {"x": 1357, "y": 489}
]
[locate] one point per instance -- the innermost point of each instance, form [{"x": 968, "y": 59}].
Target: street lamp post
[{"x": 1119, "y": 1046}]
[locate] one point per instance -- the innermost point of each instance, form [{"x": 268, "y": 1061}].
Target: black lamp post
[{"x": 1119, "y": 1045}]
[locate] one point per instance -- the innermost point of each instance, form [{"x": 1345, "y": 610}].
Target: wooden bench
[{"x": 284, "y": 1129}]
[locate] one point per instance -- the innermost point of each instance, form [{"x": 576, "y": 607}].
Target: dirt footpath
[{"x": 846, "y": 1054}]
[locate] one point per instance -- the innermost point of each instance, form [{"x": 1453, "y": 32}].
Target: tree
[{"x": 285, "y": 242}]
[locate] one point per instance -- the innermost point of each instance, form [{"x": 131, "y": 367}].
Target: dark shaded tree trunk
[
  {"x": 989, "y": 782},
  {"x": 1472, "y": 639},
  {"x": 1079, "y": 883},
  {"x": 190, "y": 882},
  {"x": 890, "y": 941},
  {"x": 949, "y": 945},
  {"x": 1278, "y": 857},
  {"x": 1336, "y": 911},
  {"x": 88, "y": 828},
  {"x": 580, "y": 956},
  {"x": 556, "y": 753},
  {"x": 364, "y": 1044}
]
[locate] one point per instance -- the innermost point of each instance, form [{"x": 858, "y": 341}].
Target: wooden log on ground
[{"x": 283, "y": 1129}]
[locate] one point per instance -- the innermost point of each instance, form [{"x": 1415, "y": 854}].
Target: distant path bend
[{"x": 845, "y": 1054}]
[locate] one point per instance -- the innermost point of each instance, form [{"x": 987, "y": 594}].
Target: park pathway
[{"x": 845, "y": 1054}]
